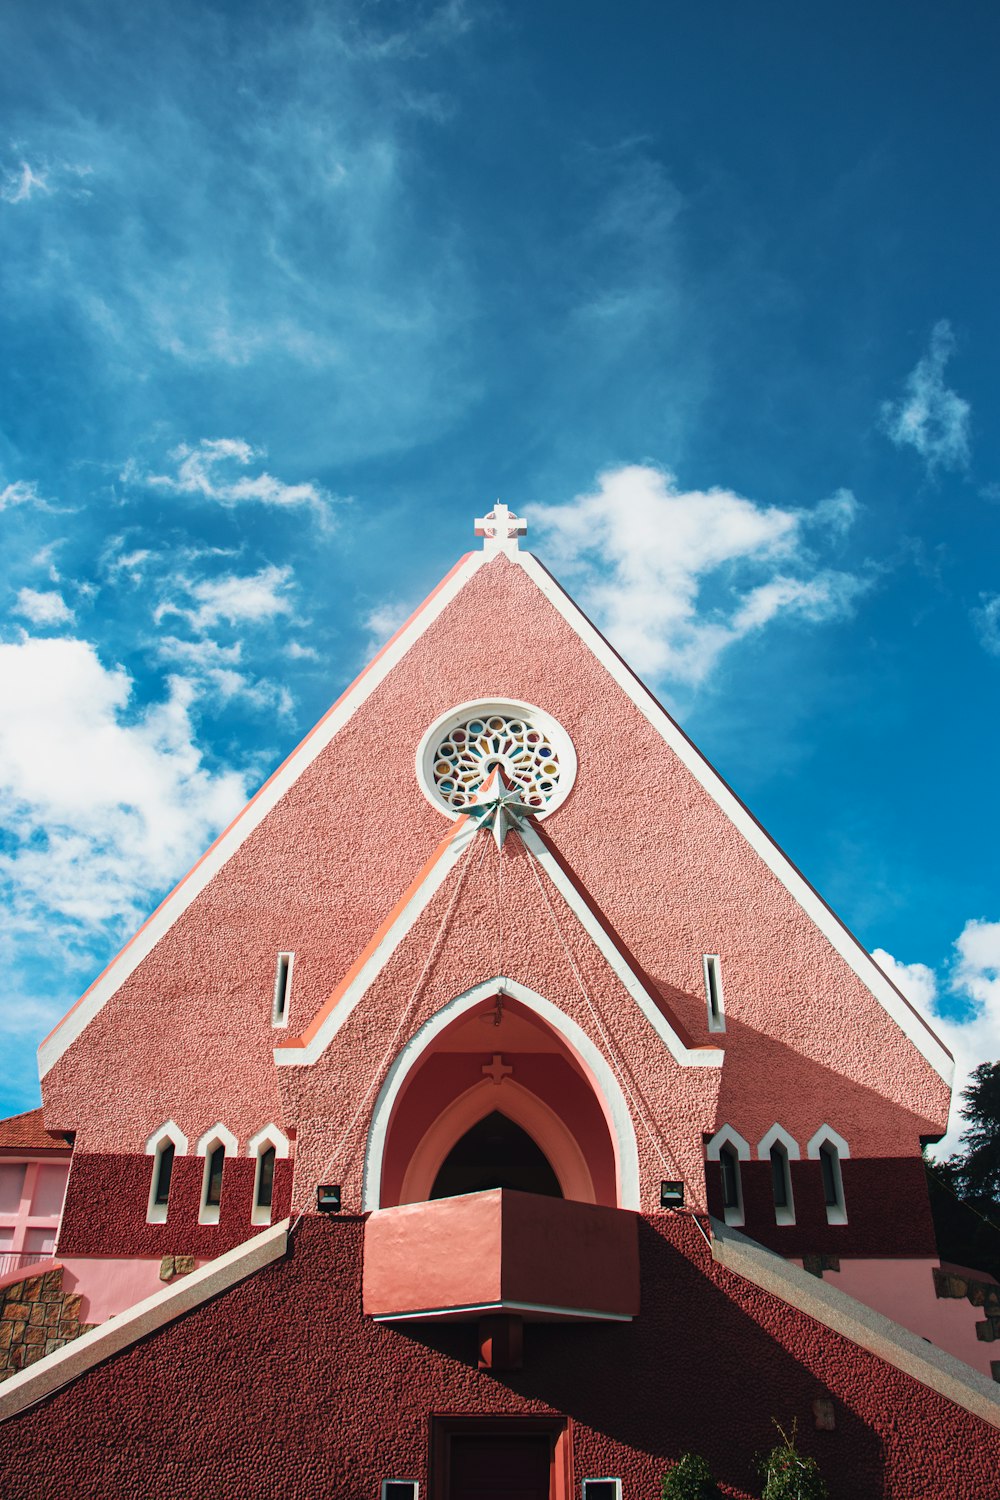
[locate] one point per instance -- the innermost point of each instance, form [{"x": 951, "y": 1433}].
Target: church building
[{"x": 494, "y": 1110}]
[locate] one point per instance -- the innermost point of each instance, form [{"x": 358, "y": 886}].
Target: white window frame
[
  {"x": 601, "y": 1479},
  {"x": 777, "y": 1136},
  {"x": 727, "y": 1136},
  {"x": 267, "y": 1136},
  {"x": 836, "y": 1213},
  {"x": 712, "y": 968},
  {"x": 279, "y": 1012},
  {"x": 156, "y": 1213},
  {"x": 218, "y": 1135}
]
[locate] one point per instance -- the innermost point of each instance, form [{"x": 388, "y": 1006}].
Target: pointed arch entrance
[{"x": 500, "y": 1048}]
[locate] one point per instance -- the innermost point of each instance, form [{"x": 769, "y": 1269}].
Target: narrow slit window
[
  {"x": 265, "y": 1179},
  {"x": 282, "y": 989},
  {"x": 214, "y": 1168},
  {"x": 732, "y": 1198},
  {"x": 781, "y": 1185},
  {"x": 833, "y": 1184},
  {"x": 162, "y": 1172},
  {"x": 713, "y": 993}
]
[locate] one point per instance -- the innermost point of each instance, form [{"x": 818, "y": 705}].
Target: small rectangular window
[
  {"x": 833, "y": 1184},
  {"x": 216, "y": 1165},
  {"x": 400, "y": 1489},
  {"x": 602, "y": 1489},
  {"x": 713, "y": 993},
  {"x": 265, "y": 1179},
  {"x": 282, "y": 989},
  {"x": 164, "y": 1172}
]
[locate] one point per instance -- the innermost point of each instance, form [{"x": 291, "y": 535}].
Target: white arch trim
[
  {"x": 826, "y": 1135},
  {"x": 617, "y": 1110},
  {"x": 171, "y": 1131},
  {"x": 727, "y": 1136},
  {"x": 525, "y": 1109},
  {"x": 217, "y": 1135},
  {"x": 778, "y": 1136},
  {"x": 268, "y": 1135}
]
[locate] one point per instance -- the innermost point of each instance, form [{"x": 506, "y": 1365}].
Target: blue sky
[{"x": 288, "y": 294}]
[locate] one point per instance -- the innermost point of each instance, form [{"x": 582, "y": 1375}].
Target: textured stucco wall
[
  {"x": 108, "y": 1195},
  {"x": 280, "y": 1388},
  {"x": 188, "y": 1035}
]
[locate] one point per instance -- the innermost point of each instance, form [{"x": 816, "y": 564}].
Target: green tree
[
  {"x": 691, "y": 1479},
  {"x": 789, "y": 1474},
  {"x": 974, "y": 1172}
]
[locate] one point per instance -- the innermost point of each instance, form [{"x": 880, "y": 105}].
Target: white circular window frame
[{"x": 482, "y": 707}]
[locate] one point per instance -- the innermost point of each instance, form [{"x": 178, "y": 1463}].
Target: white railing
[{"x": 13, "y": 1260}]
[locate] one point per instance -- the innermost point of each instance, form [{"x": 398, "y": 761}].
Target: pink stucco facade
[{"x": 558, "y": 981}]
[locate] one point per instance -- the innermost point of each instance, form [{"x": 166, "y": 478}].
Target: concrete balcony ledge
[{"x": 462, "y": 1259}]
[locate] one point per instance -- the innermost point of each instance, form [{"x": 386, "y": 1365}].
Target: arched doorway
[
  {"x": 495, "y": 1153},
  {"x": 495, "y": 1096}
]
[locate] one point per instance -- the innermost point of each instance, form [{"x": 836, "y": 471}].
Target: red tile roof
[{"x": 27, "y": 1133}]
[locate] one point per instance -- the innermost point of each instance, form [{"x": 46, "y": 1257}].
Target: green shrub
[
  {"x": 789, "y": 1474},
  {"x": 691, "y": 1479}
]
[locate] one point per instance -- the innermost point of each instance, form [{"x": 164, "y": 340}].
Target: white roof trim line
[
  {"x": 840, "y": 937},
  {"x": 379, "y": 957},
  {"x": 542, "y": 1308},
  {"x": 192, "y": 884},
  {"x": 135, "y": 1323},
  {"x": 688, "y": 1057},
  {"x": 871, "y": 1330}
]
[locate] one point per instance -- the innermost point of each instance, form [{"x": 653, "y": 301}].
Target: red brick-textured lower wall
[
  {"x": 888, "y": 1208},
  {"x": 281, "y": 1388},
  {"x": 107, "y": 1198}
]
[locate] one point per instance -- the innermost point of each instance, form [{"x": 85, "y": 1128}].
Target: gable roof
[
  {"x": 912, "y": 1024},
  {"x": 27, "y": 1133}
]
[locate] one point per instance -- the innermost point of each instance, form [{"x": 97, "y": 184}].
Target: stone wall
[{"x": 36, "y": 1318}]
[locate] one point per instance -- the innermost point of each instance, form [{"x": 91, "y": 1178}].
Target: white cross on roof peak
[{"x": 500, "y": 529}]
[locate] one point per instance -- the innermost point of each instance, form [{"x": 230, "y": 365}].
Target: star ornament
[{"x": 498, "y": 806}]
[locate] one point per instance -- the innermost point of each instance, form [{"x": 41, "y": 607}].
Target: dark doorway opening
[
  {"x": 495, "y": 1153},
  {"x": 500, "y": 1458}
]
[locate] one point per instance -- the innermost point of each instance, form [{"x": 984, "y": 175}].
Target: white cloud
[
  {"x": 21, "y": 492},
  {"x": 987, "y": 622},
  {"x": 975, "y": 981},
  {"x": 43, "y": 608},
  {"x": 216, "y": 670},
  {"x": 382, "y": 622},
  {"x": 102, "y": 804},
  {"x": 930, "y": 417},
  {"x": 249, "y": 599},
  {"x": 645, "y": 555},
  {"x": 208, "y": 471},
  {"x": 21, "y": 183}
]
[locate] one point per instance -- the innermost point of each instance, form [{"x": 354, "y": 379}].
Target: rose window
[{"x": 463, "y": 756}]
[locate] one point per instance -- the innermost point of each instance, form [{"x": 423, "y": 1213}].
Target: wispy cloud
[
  {"x": 986, "y": 619},
  {"x": 218, "y": 671},
  {"x": 382, "y": 622},
  {"x": 973, "y": 989},
  {"x": 231, "y": 598},
  {"x": 46, "y": 607},
  {"x": 207, "y": 471},
  {"x": 21, "y": 492},
  {"x": 676, "y": 576},
  {"x": 930, "y": 417},
  {"x": 21, "y": 183},
  {"x": 102, "y": 803}
]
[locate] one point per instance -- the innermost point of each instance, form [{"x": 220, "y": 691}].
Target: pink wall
[
  {"x": 282, "y": 1387},
  {"x": 904, "y": 1291},
  {"x": 666, "y": 865},
  {"x": 109, "y": 1286}
]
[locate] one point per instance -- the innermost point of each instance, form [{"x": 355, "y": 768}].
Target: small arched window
[
  {"x": 728, "y": 1148},
  {"x": 268, "y": 1146},
  {"x": 163, "y": 1146},
  {"x": 830, "y": 1149},
  {"x": 215, "y": 1145},
  {"x": 780, "y": 1149}
]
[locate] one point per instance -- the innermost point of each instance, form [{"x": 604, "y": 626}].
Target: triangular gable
[
  {"x": 308, "y": 1047},
  {"x": 914, "y": 1027}
]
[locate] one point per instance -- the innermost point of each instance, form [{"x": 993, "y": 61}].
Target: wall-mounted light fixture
[
  {"x": 671, "y": 1195},
  {"x": 328, "y": 1198}
]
